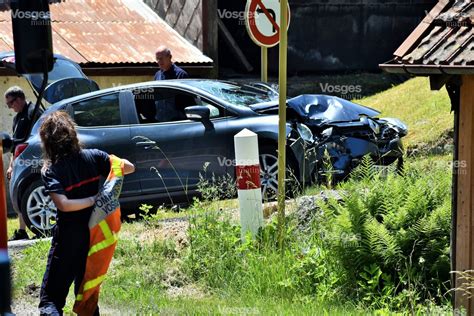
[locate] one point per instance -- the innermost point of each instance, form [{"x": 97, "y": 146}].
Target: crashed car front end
[
  {"x": 301, "y": 140},
  {"x": 345, "y": 132}
]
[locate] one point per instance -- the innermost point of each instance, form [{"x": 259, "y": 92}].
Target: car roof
[{"x": 174, "y": 83}]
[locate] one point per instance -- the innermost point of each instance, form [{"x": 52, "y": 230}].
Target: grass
[
  {"x": 150, "y": 273},
  {"x": 138, "y": 283},
  {"x": 427, "y": 113},
  {"x": 12, "y": 225}
]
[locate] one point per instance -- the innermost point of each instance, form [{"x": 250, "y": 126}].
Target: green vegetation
[
  {"x": 426, "y": 112},
  {"x": 382, "y": 248}
]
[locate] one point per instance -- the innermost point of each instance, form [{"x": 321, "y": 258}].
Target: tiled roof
[
  {"x": 109, "y": 32},
  {"x": 442, "y": 43}
]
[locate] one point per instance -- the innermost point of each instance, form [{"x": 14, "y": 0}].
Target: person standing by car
[
  {"x": 71, "y": 178},
  {"x": 168, "y": 69},
  {"x": 166, "y": 107},
  {"x": 15, "y": 100}
]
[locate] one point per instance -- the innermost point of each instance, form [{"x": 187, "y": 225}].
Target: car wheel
[
  {"x": 38, "y": 210},
  {"x": 269, "y": 173}
]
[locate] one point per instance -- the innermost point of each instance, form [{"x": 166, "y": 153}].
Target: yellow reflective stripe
[
  {"x": 79, "y": 297},
  {"x": 105, "y": 229},
  {"x": 93, "y": 283},
  {"x": 117, "y": 166},
  {"x": 102, "y": 245},
  {"x": 110, "y": 239}
]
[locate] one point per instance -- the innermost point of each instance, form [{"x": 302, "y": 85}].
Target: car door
[
  {"x": 101, "y": 125},
  {"x": 171, "y": 150}
]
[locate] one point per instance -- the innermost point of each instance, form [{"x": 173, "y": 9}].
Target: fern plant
[{"x": 403, "y": 228}]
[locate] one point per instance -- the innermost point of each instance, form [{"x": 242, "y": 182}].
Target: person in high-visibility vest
[
  {"x": 71, "y": 177},
  {"x": 104, "y": 225}
]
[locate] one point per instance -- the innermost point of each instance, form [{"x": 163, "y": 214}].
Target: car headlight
[
  {"x": 399, "y": 125},
  {"x": 305, "y": 132},
  {"x": 374, "y": 126},
  {"x": 327, "y": 132}
]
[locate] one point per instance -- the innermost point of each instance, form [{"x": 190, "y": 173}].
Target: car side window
[
  {"x": 166, "y": 105},
  {"x": 100, "y": 111}
]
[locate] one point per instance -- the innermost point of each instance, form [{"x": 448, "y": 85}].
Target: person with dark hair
[
  {"x": 15, "y": 99},
  {"x": 168, "y": 69},
  {"x": 71, "y": 177}
]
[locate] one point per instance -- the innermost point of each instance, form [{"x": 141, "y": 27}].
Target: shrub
[
  {"x": 401, "y": 224},
  {"x": 385, "y": 245}
]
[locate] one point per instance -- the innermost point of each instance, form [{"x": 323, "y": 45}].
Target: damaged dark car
[
  {"x": 171, "y": 129},
  {"x": 344, "y": 132}
]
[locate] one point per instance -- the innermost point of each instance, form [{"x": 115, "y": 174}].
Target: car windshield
[{"x": 235, "y": 93}]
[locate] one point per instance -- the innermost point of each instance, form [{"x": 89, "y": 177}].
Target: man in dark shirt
[
  {"x": 166, "y": 107},
  {"x": 168, "y": 70},
  {"x": 16, "y": 100}
]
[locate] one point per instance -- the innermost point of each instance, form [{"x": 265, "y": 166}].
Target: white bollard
[{"x": 247, "y": 172}]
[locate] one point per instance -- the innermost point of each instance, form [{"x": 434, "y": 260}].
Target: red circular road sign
[{"x": 262, "y": 19}]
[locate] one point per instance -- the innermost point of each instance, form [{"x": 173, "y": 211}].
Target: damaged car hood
[{"x": 319, "y": 109}]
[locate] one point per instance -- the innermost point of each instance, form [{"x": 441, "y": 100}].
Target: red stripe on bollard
[{"x": 248, "y": 177}]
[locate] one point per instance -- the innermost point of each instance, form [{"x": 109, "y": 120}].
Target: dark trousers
[{"x": 66, "y": 264}]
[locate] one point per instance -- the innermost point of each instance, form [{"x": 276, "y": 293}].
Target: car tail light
[{"x": 19, "y": 149}]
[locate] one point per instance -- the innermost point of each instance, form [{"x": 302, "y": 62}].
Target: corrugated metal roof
[
  {"x": 110, "y": 32},
  {"x": 60, "y": 45},
  {"x": 446, "y": 39}
]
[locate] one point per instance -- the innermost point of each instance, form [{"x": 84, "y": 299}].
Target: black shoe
[{"x": 19, "y": 234}]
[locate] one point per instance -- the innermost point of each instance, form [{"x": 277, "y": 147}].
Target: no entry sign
[{"x": 262, "y": 18}]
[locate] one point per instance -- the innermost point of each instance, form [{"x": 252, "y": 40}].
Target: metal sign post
[
  {"x": 5, "y": 282},
  {"x": 282, "y": 124},
  {"x": 265, "y": 20},
  {"x": 264, "y": 70},
  {"x": 262, "y": 19}
]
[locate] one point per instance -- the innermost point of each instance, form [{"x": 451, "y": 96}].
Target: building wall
[
  {"x": 114, "y": 81},
  {"x": 196, "y": 21},
  {"x": 183, "y": 16},
  {"x": 339, "y": 35}
]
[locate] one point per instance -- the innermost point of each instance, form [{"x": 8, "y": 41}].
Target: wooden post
[
  {"x": 210, "y": 33},
  {"x": 282, "y": 80},
  {"x": 465, "y": 194},
  {"x": 264, "y": 65}
]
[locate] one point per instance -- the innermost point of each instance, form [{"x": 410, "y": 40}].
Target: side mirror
[
  {"x": 198, "y": 113},
  {"x": 31, "y": 24},
  {"x": 7, "y": 143}
]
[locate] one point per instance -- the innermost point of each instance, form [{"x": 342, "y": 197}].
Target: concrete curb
[{"x": 21, "y": 244}]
